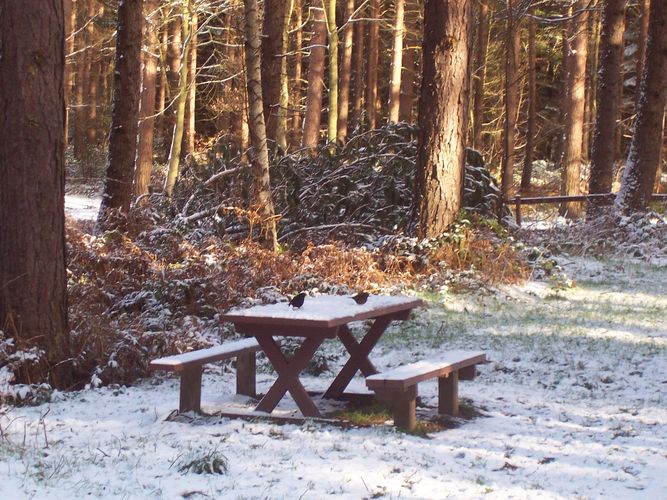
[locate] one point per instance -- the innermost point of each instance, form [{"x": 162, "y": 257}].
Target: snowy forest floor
[{"x": 573, "y": 404}]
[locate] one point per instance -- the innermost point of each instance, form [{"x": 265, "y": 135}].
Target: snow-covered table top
[{"x": 322, "y": 311}]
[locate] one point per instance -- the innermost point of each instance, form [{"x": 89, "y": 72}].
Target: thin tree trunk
[
  {"x": 124, "y": 111},
  {"x": 164, "y": 78},
  {"x": 408, "y": 79},
  {"x": 91, "y": 118},
  {"x": 272, "y": 55},
  {"x": 181, "y": 99},
  {"x": 312, "y": 120},
  {"x": 283, "y": 107},
  {"x": 372, "y": 68},
  {"x": 396, "y": 62},
  {"x": 527, "y": 172},
  {"x": 591, "y": 86},
  {"x": 260, "y": 157},
  {"x": 575, "y": 117},
  {"x": 345, "y": 73},
  {"x": 298, "y": 58},
  {"x": 332, "y": 32},
  {"x": 512, "y": 48},
  {"x": 144, "y": 161},
  {"x": 173, "y": 73},
  {"x": 480, "y": 73},
  {"x": 607, "y": 112},
  {"x": 33, "y": 290},
  {"x": 645, "y": 149},
  {"x": 190, "y": 108},
  {"x": 358, "y": 52},
  {"x": 69, "y": 12},
  {"x": 641, "y": 44},
  {"x": 443, "y": 115}
]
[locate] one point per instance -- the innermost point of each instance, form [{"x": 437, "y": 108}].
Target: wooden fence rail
[{"x": 518, "y": 201}]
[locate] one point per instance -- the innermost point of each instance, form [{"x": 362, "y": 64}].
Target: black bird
[
  {"x": 297, "y": 300},
  {"x": 360, "y": 298}
]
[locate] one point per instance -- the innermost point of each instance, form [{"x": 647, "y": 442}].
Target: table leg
[
  {"x": 288, "y": 375},
  {"x": 358, "y": 355}
]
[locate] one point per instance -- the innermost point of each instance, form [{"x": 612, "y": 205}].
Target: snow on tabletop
[{"x": 322, "y": 307}]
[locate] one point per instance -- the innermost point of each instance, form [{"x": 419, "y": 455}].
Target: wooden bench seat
[
  {"x": 399, "y": 386},
  {"x": 190, "y": 364}
]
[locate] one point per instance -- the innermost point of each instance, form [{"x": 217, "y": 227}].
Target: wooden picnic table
[{"x": 320, "y": 318}]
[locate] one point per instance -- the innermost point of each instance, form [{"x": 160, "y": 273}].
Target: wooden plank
[
  {"x": 408, "y": 375},
  {"x": 228, "y": 350},
  {"x": 448, "y": 394},
  {"x": 190, "y": 395}
]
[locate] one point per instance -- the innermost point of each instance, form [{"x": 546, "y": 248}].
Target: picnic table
[{"x": 320, "y": 318}]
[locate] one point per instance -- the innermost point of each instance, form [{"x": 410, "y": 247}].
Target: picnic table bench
[
  {"x": 190, "y": 364},
  {"x": 398, "y": 387}
]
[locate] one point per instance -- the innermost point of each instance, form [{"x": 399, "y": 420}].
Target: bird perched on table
[
  {"x": 360, "y": 298},
  {"x": 297, "y": 300}
]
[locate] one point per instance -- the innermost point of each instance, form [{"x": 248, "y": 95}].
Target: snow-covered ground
[
  {"x": 574, "y": 404},
  {"x": 82, "y": 207}
]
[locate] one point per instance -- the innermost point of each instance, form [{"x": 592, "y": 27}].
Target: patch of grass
[
  {"x": 365, "y": 415},
  {"x": 204, "y": 462}
]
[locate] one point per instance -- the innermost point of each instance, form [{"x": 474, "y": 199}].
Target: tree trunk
[
  {"x": 144, "y": 161},
  {"x": 396, "y": 62},
  {"x": 645, "y": 5},
  {"x": 161, "y": 124},
  {"x": 33, "y": 282},
  {"x": 260, "y": 157},
  {"x": 574, "y": 122},
  {"x": 527, "y": 172},
  {"x": 359, "y": 54},
  {"x": 443, "y": 115},
  {"x": 181, "y": 99},
  {"x": 190, "y": 116},
  {"x": 410, "y": 42},
  {"x": 311, "y": 123},
  {"x": 345, "y": 73},
  {"x": 175, "y": 42},
  {"x": 69, "y": 11},
  {"x": 272, "y": 56},
  {"x": 644, "y": 155},
  {"x": 480, "y": 73},
  {"x": 372, "y": 71},
  {"x": 124, "y": 111},
  {"x": 512, "y": 48},
  {"x": 332, "y": 32},
  {"x": 298, "y": 44},
  {"x": 607, "y": 112},
  {"x": 283, "y": 106}
]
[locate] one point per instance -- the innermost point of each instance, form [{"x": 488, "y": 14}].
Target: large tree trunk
[
  {"x": 345, "y": 73},
  {"x": 359, "y": 54},
  {"x": 260, "y": 156},
  {"x": 527, "y": 172},
  {"x": 372, "y": 69},
  {"x": 396, "y": 62},
  {"x": 332, "y": 32},
  {"x": 574, "y": 121},
  {"x": 272, "y": 56},
  {"x": 607, "y": 112},
  {"x": 480, "y": 72},
  {"x": 512, "y": 47},
  {"x": 644, "y": 155},
  {"x": 190, "y": 117},
  {"x": 181, "y": 100},
  {"x": 33, "y": 283},
  {"x": 124, "y": 111},
  {"x": 311, "y": 123},
  {"x": 144, "y": 161},
  {"x": 443, "y": 115}
]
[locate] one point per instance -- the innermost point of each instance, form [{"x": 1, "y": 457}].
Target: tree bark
[
  {"x": 527, "y": 172},
  {"x": 512, "y": 47},
  {"x": 372, "y": 68},
  {"x": 124, "y": 111},
  {"x": 396, "y": 62},
  {"x": 358, "y": 52},
  {"x": 174, "y": 45},
  {"x": 645, "y": 6},
  {"x": 480, "y": 72},
  {"x": 33, "y": 283},
  {"x": 283, "y": 106},
  {"x": 272, "y": 56},
  {"x": 181, "y": 99},
  {"x": 260, "y": 156},
  {"x": 645, "y": 148},
  {"x": 144, "y": 161},
  {"x": 443, "y": 115},
  {"x": 410, "y": 42},
  {"x": 332, "y": 32},
  {"x": 69, "y": 11},
  {"x": 345, "y": 73},
  {"x": 312, "y": 120},
  {"x": 190, "y": 108},
  {"x": 574, "y": 122},
  {"x": 609, "y": 85},
  {"x": 298, "y": 58}
]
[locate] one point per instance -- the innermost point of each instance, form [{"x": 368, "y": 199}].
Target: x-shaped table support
[
  {"x": 288, "y": 374},
  {"x": 358, "y": 355}
]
